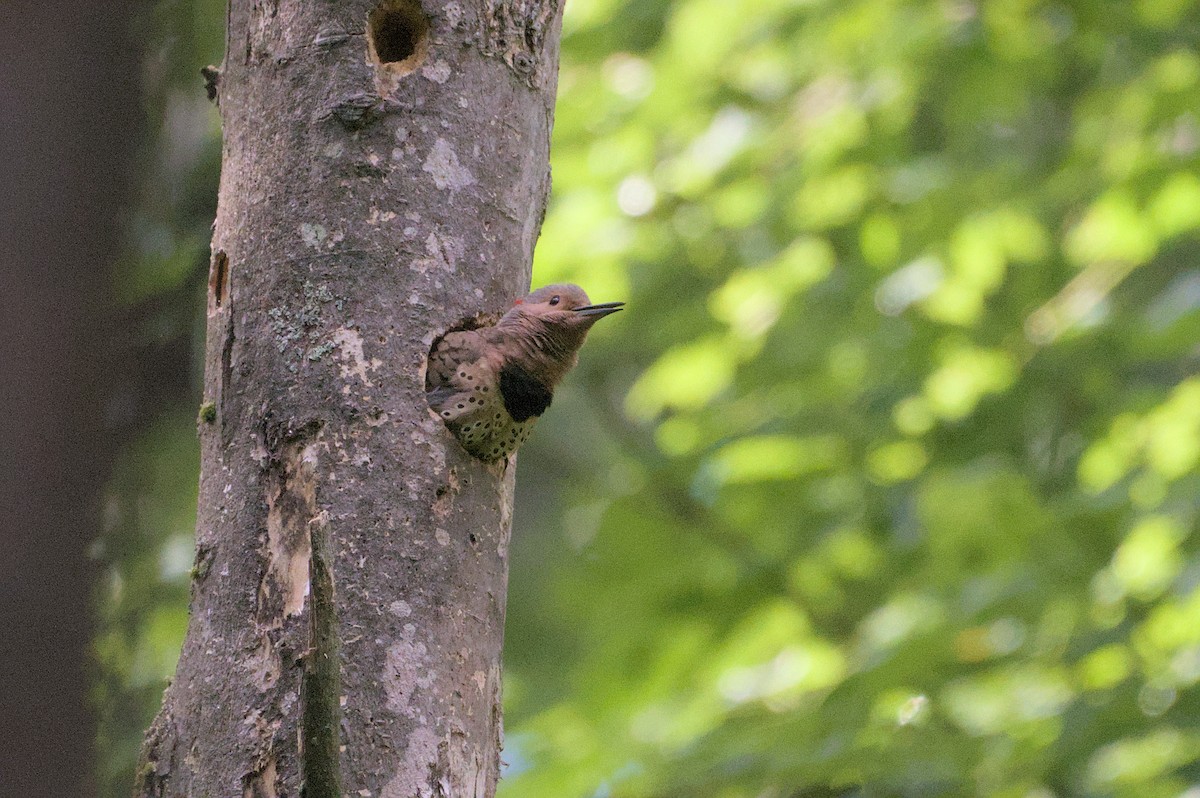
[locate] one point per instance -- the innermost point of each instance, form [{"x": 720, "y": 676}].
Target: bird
[{"x": 489, "y": 385}]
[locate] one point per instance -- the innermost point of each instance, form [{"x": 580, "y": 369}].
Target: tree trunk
[{"x": 384, "y": 179}]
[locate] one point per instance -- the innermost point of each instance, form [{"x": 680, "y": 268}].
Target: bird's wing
[
  {"x": 461, "y": 379},
  {"x": 455, "y": 350},
  {"x": 464, "y": 387}
]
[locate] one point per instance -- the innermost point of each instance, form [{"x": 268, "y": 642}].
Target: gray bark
[{"x": 349, "y": 591}]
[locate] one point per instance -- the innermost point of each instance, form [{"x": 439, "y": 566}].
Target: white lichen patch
[
  {"x": 355, "y": 363},
  {"x": 443, "y": 253},
  {"x": 405, "y": 670},
  {"x": 420, "y": 758},
  {"x": 313, "y": 234},
  {"x": 442, "y": 537},
  {"x": 442, "y": 164},
  {"x": 438, "y": 71},
  {"x": 399, "y": 608}
]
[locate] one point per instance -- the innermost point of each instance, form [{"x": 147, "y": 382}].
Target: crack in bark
[
  {"x": 320, "y": 764},
  {"x": 226, "y": 378}
]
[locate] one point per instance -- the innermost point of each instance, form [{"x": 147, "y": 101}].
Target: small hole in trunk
[{"x": 397, "y": 36}]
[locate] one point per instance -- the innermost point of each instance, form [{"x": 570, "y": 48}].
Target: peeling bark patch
[
  {"x": 289, "y": 547},
  {"x": 291, "y": 507},
  {"x": 442, "y": 163},
  {"x": 261, "y": 784},
  {"x": 467, "y": 768},
  {"x": 265, "y": 665},
  {"x": 355, "y": 364},
  {"x": 397, "y": 41},
  {"x": 505, "y": 500},
  {"x": 297, "y": 580}
]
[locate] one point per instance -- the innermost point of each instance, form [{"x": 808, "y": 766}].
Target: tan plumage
[
  {"x": 464, "y": 391},
  {"x": 490, "y": 385}
]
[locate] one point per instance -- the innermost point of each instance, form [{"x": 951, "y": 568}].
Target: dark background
[{"x": 71, "y": 111}]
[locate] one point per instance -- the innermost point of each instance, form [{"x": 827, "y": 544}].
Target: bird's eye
[{"x": 554, "y": 300}]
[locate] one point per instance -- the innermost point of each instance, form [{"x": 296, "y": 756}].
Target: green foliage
[
  {"x": 891, "y": 463},
  {"x": 147, "y": 560},
  {"x": 170, "y": 224},
  {"x": 885, "y": 483}
]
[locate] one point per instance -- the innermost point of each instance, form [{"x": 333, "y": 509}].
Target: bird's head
[
  {"x": 549, "y": 325},
  {"x": 561, "y": 306}
]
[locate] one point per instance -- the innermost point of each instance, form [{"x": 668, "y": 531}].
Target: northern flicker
[{"x": 490, "y": 385}]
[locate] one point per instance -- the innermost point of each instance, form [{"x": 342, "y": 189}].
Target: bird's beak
[{"x": 599, "y": 310}]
